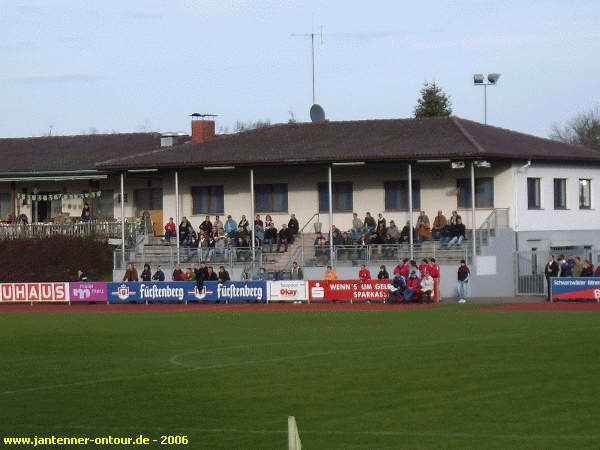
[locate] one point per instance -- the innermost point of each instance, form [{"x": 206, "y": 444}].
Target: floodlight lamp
[
  {"x": 483, "y": 164},
  {"x": 458, "y": 164},
  {"x": 493, "y": 78},
  {"x": 478, "y": 78}
]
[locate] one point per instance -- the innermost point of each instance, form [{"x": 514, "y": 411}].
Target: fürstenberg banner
[{"x": 288, "y": 290}]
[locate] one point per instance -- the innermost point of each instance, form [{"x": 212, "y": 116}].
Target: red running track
[{"x": 571, "y": 306}]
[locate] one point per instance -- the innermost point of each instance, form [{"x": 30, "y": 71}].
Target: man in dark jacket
[
  {"x": 369, "y": 222},
  {"x": 210, "y": 274},
  {"x": 293, "y": 227},
  {"x": 271, "y": 236},
  {"x": 159, "y": 275},
  {"x": 398, "y": 287},
  {"x": 283, "y": 238},
  {"x": 550, "y": 271},
  {"x": 458, "y": 233},
  {"x": 223, "y": 275},
  {"x": 588, "y": 269},
  {"x": 206, "y": 226}
]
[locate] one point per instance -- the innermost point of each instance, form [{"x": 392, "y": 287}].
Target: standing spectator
[
  {"x": 383, "y": 274},
  {"x": 551, "y": 271},
  {"x": 434, "y": 270},
  {"x": 454, "y": 218},
  {"x": 439, "y": 223},
  {"x": 159, "y": 275},
  {"x": 82, "y": 277},
  {"x": 23, "y": 219},
  {"x": 58, "y": 219},
  {"x": 86, "y": 217},
  {"x": 364, "y": 273},
  {"x": 423, "y": 229},
  {"x": 170, "y": 230},
  {"x": 393, "y": 231},
  {"x": 427, "y": 288},
  {"x": 597, "y": 271},
  {"x": 415, "y": 269},
  {"x": 283, "y": 238},
  {"x": 271, "y": 236},
  {"x": 463, "y": 281},
  {"x": 381, "y": 220},
  {"x": 277, "y": 274},
  {"x": 293, "y": 227},
  {"x": 210, "y": 274},
  {"x": 206, "y": 226},
  {"x": 330, "y": 274},
  {"x": 259, "y": 234},
  {"x": 223, "y": 275},
  {"x": 146, "y": 273},
  {"x": 570, "y": 262},
  {"x": 563, "y": 268},
  {"x": 262, "y": 274},
  {"x": 577, "y": 267},
  {"x": 178, "y": 274},
  {"x": 588, "y": 269},
  {"x": 413, "y": 287},
  {"x": 296, "y": 273},
  {"x": 130, "y": 274},
  {"x": 458, "y": 233},
  {"x": 183, "y": 228},
  {"x": 357, "y": 227},
  {"x": 369, "y": 223},
  {"x": 244, "y": 223},
  {"x": 424, "y": 266},
  {"x": 190, "y": 275},
  {"x": 218, "y": 224},
  {"x": 245, "y": 275},
  {"x": 397, "y": 288},
  {"x": 201, "y": 274},
  {"x": 230, "y": 227},
  {"x": 86, "y": 211}
]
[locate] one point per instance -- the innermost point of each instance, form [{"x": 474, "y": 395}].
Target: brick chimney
[{"x": 202, "y": 130}]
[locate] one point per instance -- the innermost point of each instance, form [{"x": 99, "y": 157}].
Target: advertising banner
[
  {"x": 150, "y": 292},
  {"x": 232, "y": 291},
  {"x": 34, "y": 292},
  {"x": 349, "y": 290},
  {"x": 575, "y": 289},
  {"x": 288, "y": 290},
  {"x": 88, "y": 292}
]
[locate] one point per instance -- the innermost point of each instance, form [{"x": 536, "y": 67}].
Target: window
[
  {"x": 149, "y": 199},
  {"x": 5, "y": 208},
  {"x": 560, "y": 193},
  {"x": 534, "y": 198},
  {"x": 585, "y": 193},
  {"x": 396, "y": 195},
  {"x": 207, "y": 200},
  {"x": 484, "y": 192},
  {"x": 105, "y": 207},
  {"x": 271, "y": 197},
  {"x": 341, "y": 194}
]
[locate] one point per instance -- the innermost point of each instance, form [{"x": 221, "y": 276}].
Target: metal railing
[
  {"x": 498, "y": 218},
  {"x": 95, "y": 228}
]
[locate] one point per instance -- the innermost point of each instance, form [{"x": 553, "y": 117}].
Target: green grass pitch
[{"x": 442, "y": 377}]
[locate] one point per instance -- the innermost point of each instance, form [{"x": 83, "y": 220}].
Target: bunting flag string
[{"x": 47, "y": 197}]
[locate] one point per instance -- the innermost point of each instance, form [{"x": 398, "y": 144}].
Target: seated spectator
[
  {"x": 397, "y": 288},
  {"x": 223, "y": 275},
  {"x": 190, "y": 275},
  {"x": 369, "y": 223},
  {"x": 220, "y": 245},
  {"x": 405, "y": 233},
  {"x": 446, "y": 234},
  {"x": 23, "y": 219},
  {"x": 293, "y": 227},
  {"x": 577, "y": 267},
  {"x": 364, "y": 273},
  {"x": 458, "y": 233},
  {"x": 389, "y": 246},
  {"x": 82, "y": 277},
  {"x": 242, "y": 233},
  {"x": 58, "y": 219},
  {"x": 86, "y": 211},
  {"x": 588, "y": 269},
  {"x": 183, "y": 228},
  {"x": 159, "y": 275},
  {"x": 244, "y": 223},
  {"x": 206, "y": 226},
  {"x": 210, "y": 274},
  {"x": 178, "y": 274},
  {"x": 229, "y": 248},
  {"x": 190, "y": 238},
  {"x": 320, "y": 246},
  {"x": 170, "y": 230},
  {"x": 201, "y": 275},
  {"x": 283, "y": 238},
  {"x": 230, "y": 227},
  {"x": 271, "y": 236},
  {"x": 218, "y": 224},
  {"x": 241, "y": 250},
  {"x": 203, "y": 244},
  {"x": 262, "y": 274},
  {"x": 245, "y": 277},
  {"x": 86, "y": 217},
  {"x": 296, "y": 272},
  {"x": 427, "y": 288},
  {"x": 423, "y": 229},
  {"x": 357, "y": 227},
  {"x": 258, "y": 221},
  {"x": 268, "y": 221},
  {"x": 130, "y": 274},
  {"x": 413, "y": 268},
  {"x": 11, "y": 219},
  {"x": 438, "y": 225},
  {"x": 454, "y": 218},
  {"x": 146, "y": 273},
  {"x": 413, "y": 287},
  {"x": 259, "y": 235},
  {"x": 383, "y": 275},
  {"x": 277, "y": 273},
  {"x": 330, "y": 274},
  {"x": 378, "y": 236},
  {"x": 393, "y": 231},
  {"x": 381, "y": 220},
  {"x": 337, "y": 238},
  {"x": 346, "y": 245},
  {"x": 363, "y": 246}
]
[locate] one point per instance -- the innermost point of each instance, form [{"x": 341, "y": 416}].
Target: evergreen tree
[{"x": 433, "y": 102}]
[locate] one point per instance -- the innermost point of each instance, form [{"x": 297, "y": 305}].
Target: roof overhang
[{"x": 54, "y": 178}]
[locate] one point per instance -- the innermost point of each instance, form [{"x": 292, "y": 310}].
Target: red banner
[
  {"x": 34, "y": 292},
  {"x": 349, "y": 290}
]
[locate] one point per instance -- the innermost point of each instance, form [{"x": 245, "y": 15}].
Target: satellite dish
[{"x": 317, "y": 114}]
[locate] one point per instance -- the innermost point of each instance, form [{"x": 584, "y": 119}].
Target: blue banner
[
  {"x": 231, "y": 291},
  {"x": 575, "y": 288}
]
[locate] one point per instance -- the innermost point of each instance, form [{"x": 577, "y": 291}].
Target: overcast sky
[{"x": 138, "y": 65}]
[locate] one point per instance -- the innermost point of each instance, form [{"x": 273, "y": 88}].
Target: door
[{"x": 151, "y": 200}]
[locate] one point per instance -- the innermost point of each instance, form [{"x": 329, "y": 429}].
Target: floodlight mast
[{"x": 478, "y": 80}]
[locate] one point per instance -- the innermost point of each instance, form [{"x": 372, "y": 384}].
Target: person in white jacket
[{"x": 427, "y": 288}]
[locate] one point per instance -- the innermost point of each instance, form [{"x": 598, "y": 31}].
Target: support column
[
  {"x": 13, "y": 199},
  {"x": 330, "y": 217},
  {"x": 410, "y": 211},
  {"x": 473, "y": 225},
  {"x": 123, "y": 217},
  {"x": 251, "y": 222},
  {"x": 178, "y": 218}
]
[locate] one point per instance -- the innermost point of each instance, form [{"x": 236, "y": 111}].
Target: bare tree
[
  {"x": 582, "y": 129},
  {"x": 245, "y": 126}
]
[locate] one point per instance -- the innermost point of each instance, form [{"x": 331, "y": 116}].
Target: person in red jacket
[
  {"x": 424, "y": 267},
  {"x": 178, "y": 274},
  {"x": 413, "y": 287},
  {"x": 404, "y": 268},
  {"x": 434, "y": 271},
  {"x": 364, "y": 273},
  {"x": 170, "y": 230}
]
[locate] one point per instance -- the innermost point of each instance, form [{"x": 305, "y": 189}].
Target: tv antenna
[{"x": 312, "y": 52}]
